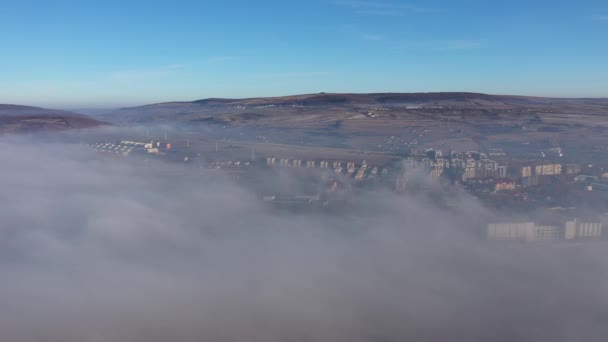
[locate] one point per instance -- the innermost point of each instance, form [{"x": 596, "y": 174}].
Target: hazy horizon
[
  {"x": 75, "y": 54},
  {"x": 363, "y": 171},
  {"x": 75, "y": 106}
]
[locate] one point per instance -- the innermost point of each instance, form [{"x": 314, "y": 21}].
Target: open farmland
[{"x": 388, "y": 123}]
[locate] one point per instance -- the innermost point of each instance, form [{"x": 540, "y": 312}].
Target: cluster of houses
[
  {"x": 477, "y": 170},
  {"x": 464, "y": 165},
  {"x": 126, "y": 148},
  {"x": 228, "y": 164}
]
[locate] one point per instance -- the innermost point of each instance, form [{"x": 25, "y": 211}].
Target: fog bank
[{"x": 110, "y": 250}]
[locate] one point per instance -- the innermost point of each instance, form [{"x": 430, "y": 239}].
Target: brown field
[{"x": 390, "y": 123}]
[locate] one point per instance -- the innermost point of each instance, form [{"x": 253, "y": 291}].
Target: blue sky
[{"x": 114, "y": 53}]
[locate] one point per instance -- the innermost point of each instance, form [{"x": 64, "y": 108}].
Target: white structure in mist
[
  {"x": 271, "y": 161},
  {"x": 511, "y": 231},
  {"x": 528, "y": 231},
  {"x": 547, "y": 233},
  {"x": 583, "y": 230}
]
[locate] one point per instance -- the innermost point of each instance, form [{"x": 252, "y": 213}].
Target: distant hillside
[
  {"x": 397, "y": 122},
  {"x": 425, "y": 99},
  {"x": 336, "y": 107},
  {"x": 25, "y": 119},
  {"x": 329, "y": 99}
]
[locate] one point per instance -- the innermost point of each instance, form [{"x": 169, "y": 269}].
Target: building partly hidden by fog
[
  {"x": 574, "y": 230},
  {"x": 582, "y": 230}
]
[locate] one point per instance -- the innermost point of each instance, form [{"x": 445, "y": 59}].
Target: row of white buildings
[
  {"x": 475, "y": 165},
  {"x": 471, "y": 165},
  {"x": 351, "y": 169},
  {"x": 575, "y": 230}
]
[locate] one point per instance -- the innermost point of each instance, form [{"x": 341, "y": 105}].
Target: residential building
[
  {"x": 511, "y": 231},
  {"x": 579, "y": 230}
]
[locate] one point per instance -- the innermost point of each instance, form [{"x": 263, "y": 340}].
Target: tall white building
[{"x": 583, "y": 230}]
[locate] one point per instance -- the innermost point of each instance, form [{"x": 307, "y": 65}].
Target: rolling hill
[
  {"x": 304, "y": 110},
  {"x": 26, "y": 119},
  {"x": 389, "y": 121}
]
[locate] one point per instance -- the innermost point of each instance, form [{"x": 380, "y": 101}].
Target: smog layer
[{"x": 96, "y": 250}]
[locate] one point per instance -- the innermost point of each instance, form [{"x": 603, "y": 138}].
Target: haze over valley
[{"x": 303, "y": 171}]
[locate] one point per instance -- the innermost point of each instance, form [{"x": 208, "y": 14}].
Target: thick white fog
[{"x": 114, "y": 251}]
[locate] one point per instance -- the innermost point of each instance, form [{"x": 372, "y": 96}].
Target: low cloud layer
[{"x": 103, "y": 250}]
